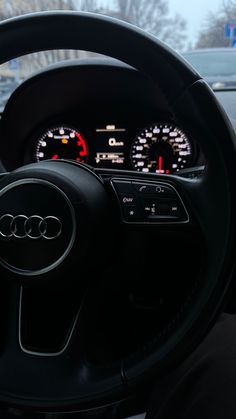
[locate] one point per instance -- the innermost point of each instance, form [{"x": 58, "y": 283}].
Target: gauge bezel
[
  {"x": 54, "y": 127},
  {"x": 193, "y": 145}
]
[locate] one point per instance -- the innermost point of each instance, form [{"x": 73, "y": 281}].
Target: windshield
[
  {"x": 210, "y": 64},
  {"x": 184, "y": 26}
]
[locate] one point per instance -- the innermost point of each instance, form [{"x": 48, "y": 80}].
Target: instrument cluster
[{"x": 160, "y": 147}]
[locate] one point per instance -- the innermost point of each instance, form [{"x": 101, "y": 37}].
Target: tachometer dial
[
  {"x": 161, "y": 148},
  {"x": 62, "y": 143}
]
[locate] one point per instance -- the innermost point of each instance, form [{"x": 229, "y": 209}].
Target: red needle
[
  {"x": 160, "y": 164},
  {"x": 54, "y": 157}
]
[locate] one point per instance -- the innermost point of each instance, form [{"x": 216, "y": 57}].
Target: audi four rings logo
[{"x": 33, "y": 227}]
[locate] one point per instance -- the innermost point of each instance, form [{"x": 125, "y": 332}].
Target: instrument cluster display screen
[
  {"x": 160, "y": 147},
  {"x": 110, "y": 147}
]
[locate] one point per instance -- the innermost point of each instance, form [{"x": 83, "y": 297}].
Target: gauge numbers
[
  {"x": 161, "y": 148},
  {"x": 62, "y": 143}
]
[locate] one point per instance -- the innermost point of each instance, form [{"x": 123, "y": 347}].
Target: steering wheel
[{"x": 53, "y": 212}]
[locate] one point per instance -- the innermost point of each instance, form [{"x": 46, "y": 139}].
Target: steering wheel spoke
[
  {"x": 46, "y": 320},
  {"x": 10, "y": 299},
  {"x": 149, "y": 200},
  {"x": 71, "y": 366}
]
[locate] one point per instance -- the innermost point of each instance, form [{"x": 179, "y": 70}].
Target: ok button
[{"x": 127, "y": 199}]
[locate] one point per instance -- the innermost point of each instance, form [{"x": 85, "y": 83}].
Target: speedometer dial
[
  {"x": 62, "y": 143},
  {"x": 161, "y": 148}
]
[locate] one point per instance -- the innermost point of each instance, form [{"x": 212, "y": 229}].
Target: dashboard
[{"x": 100, "y": 112}]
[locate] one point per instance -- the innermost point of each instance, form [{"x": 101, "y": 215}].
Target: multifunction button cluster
[{"x": 149, "y": 202}]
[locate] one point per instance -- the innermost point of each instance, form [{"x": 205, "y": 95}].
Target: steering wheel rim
[{"x": 191, "y": 100}]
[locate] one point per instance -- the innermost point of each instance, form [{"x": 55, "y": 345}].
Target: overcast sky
[{"x": 194, "y": 11}]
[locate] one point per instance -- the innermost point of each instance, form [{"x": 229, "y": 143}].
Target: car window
[
  {"x": 184, "y": 26},
  {"x": 213, "y": 63}
]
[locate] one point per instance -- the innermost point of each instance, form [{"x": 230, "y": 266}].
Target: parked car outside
[{"x": 216, "y": 65}]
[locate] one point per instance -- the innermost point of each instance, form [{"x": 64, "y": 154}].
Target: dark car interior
[{"x": 117, "y": 218}]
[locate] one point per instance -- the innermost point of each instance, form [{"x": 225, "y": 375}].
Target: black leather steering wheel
[{"x": 47, "y": 207}]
